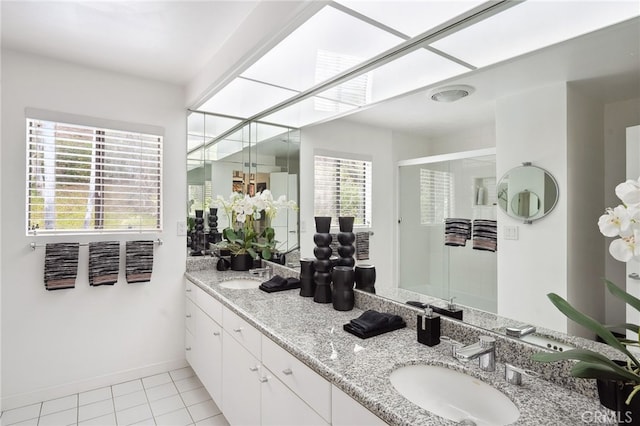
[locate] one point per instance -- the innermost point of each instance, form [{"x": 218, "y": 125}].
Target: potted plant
[
  {"x": 622, "y": 377},
  {"x": 244, "y": 237}
]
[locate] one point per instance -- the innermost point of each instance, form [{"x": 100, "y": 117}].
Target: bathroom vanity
[{"x": 278, "y": 358}]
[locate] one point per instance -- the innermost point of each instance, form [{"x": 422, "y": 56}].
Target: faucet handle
[
  {"x": 487, "y": 342},
  {"x": 455, "y": 345},
  {"x": 513, "y": 374},
  {"x": 451, "y": 305}
]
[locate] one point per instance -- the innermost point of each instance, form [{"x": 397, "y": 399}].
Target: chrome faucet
[
  {"x": 520, "y": 331},
  {"x": 484, "y": 351},
  {"x": 262, "y": 272}
]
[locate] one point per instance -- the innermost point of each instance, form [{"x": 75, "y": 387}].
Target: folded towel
[
  {"x": 457, "y": 231},
  {"x": 60, "y": 265},
  {"x": 362, "y": 245},
  {"x": 277, "y": 283},
  {"x": 485, "y": 235},
  {"x": 139, "y": 257},
  {"x": 372, "y": 320},
  {"x": 104, "y": 262}
]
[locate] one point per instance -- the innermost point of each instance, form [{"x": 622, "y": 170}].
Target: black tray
[{"x": 349, "y": 329}]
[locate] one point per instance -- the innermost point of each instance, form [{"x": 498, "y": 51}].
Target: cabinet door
[
  {"x": 281, "y": 407},
  {"x": 189, "y": 352},
  {"x": 208, "y": 358},
  {"x": 346, "y": 411},
  {"x": 240, "y": 381}
]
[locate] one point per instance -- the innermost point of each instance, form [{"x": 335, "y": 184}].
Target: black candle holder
[
  {"x": 322, "y": 264},
  {"x": 212, "y": 220},
  {"x": 197, "y": 243},
  {"x": 343, "y": 298},
  {"x": 346, "y": 237}
]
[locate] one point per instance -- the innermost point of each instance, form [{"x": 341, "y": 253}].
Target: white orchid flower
[
  {"x": 626, "y": 248},
  {"x": 629, "y": 192},
  {"x": 615, "y": 222},
  {"x": 241, "y": 218}
]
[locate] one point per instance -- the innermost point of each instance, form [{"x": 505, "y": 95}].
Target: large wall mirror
[{"x": 258, "y": 156}]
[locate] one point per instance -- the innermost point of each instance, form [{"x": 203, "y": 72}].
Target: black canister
[
  {"x": 307, "y": 286},
  {"x": 342, "y": 297},
  {"x": 365, "y": 277}
]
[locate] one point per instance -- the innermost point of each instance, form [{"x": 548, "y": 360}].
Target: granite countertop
[{"x": 313, "y": 333}]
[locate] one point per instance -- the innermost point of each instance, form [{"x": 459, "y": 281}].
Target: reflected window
[{"x": 436, "y": 196}]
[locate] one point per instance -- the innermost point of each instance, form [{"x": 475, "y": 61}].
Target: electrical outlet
[
  {"x": 510, "y": 232},
  {"x": 181, "y": 228}
]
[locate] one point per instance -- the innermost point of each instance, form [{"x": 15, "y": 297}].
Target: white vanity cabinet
[{"x": 346, "y": 411}]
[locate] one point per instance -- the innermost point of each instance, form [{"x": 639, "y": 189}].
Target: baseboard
[{"x": 20, "y": 400}]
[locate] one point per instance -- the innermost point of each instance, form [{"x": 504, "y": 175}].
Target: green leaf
[
  {"x": 627, "y": 326},
  {"x": 252, "y": 253},
  {"x": 589, "y": 323},
  {"x": 266, "y": 253},
  {"x": 621, "y": 294},
  {"x": 598, "y": 365},
  {"x": 269, "y": 234}
]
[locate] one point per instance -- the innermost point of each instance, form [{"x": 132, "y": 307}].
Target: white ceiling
[{"x": 167, "y": 41}]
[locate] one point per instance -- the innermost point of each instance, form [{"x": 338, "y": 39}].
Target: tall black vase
[
  {"x": 322, "y": 264},
  {"x": 307, "y": 286},
  {"x": 197, "y": 244},
  {"x": 212, "y": 220},
  {"x": 346, "y": 237},
  {"x": 343, "y": 298}
]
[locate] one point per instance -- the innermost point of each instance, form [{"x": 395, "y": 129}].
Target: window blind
[
  {"x": 88, "y": 179},
  {"x": 354, "y": 92},
  {"x": 342, "y": 188},
  {"x": 436, "y": 196}
]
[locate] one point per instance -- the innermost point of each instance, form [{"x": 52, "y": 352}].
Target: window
[
  {"x": 343, "y": 188},
  {"x": 436, "y": 196},
  {"x": 90, "y": 179}
]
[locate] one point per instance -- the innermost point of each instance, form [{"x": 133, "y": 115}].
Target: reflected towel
[
  {"x": 139, "y": 258},
  {"x": 60, "y": 265},
  {"x": 372, "y": 320},
  {"x": 362, "y": 245},
  {"x": 457, "y": 231},
  {"x": 104, "y": 262},
  {"x": 485, "y": 235}
]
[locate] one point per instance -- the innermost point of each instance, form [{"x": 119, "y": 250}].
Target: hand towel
[
  {"x": 457, "y": 231},
  {"x": 139, "y": 258},
  {"x": 104, "y": 262},
  {"x": 372, "y": 320},
  {"x": 362, "y": 245},
  {"x": 485, "y": 235},
  {"x": 60, "y": 265},
  {"x": 278, "y": 283}
]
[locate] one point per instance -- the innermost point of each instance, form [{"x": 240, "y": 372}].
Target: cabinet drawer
[
  {"x": 302, "y": 380},
  {"x": 242, "y": 331},
  {"x": 189, "y": 290},
  {"x": 189, "y": 315},
  {"x": 209, "y": 304}
]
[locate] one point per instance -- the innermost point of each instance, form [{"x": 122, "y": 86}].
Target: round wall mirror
[{"x": 527, "y": 192}]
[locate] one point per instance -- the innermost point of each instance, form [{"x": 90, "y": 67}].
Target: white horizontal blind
[
  {"x": 342, "y": 188},
  {"x": 88, "y": 179},
  {"x": 355, "y": 91},
  {"x": 436, "y": 196}
]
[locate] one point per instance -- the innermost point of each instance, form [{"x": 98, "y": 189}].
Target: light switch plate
[
  {"x": 510, "y": 232},
  {"x": 181, "y": 228}
]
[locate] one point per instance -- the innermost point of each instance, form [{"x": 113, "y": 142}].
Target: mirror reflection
[
  {"x": 257, "y": 157},
  {"x": 527, "y": 192}
]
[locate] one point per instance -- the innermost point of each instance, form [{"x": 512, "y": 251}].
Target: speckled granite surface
[{"x": 313, "y": 333}]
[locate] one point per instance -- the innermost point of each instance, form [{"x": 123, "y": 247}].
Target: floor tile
[
  {"x": 195, "y": 396},
  {"x": 108, "y": 420},
  {"x": 147, "y": 422},
  {"x": 157, "y": 380},
  {"x": 188, "y": 384},
  {"x": 175, "y": 418},
  {"x": 30, "y": 422},
  {"x": 134, "y": 415},
  {"x": 166, "y": 405},
  {"x": 60, "y": 404},
  {"x": 130, "y": 400},
  {"x": 94, "y": 396},
  {"x": 127, "y": 387},
  {"x": 162, "y": 391},
  {"x": 20, "y": 414},
  {"x": 182, "y": 373},
  {"x": 61, "y": 418},
  {"x": 218, "y": 420},
  {"x": 203, "y": 410},
  {"x": 96, "y": 409}
]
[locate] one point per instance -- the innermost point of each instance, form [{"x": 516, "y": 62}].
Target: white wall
[
  {"x": 467, "y": 139},
  {"x": 342, "y": 136},
  {"x": 531, "y": 126},
  {"x": 59, "y": 342},
  {"x": 617, "y": 117}
]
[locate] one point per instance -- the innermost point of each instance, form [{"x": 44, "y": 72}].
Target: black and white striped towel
[
  {"x": 139, "y": 256},
  {"x": 104, "y": 262},
  {"x": 61, "y": 265},
  {"x": 362, "y": 245},
  {"x": 485, "y": 235},
  {"x": 456, "y": 232}
]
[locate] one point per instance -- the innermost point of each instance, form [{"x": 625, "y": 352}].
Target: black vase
[
  {"x": 365, "y": 277},
  {"x": 346, "y": 237},
  {"x": 307, "y": 286},
  {"x": 343, "y": 298},
  {"x": 627, "y": 414},
  {"x": 322, "y": 264},
  {"x": 241, "y": 262},
  {"x": 197, "y": 238},
  {"x": 212, "y": 220}
]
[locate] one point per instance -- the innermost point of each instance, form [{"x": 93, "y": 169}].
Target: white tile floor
[{"x": 175, "y": 398}]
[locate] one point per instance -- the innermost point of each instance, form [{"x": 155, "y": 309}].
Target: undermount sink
[
  {"x": 454, "y": 395},
  {"x": 240, "y": 284}
]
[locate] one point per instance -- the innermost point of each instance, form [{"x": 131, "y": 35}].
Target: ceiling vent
[{"x": 451, "y": 93}]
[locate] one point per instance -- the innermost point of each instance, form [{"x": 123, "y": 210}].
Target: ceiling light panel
[
  {"x": 411, "y": 17},
  {"x": 330, "y": 37},
  {"x": 208, "y": 126},
  {"x": 532, "y": 25},
  {"x": 244, "y": 98},
  {"x": 309, "y": 111}
]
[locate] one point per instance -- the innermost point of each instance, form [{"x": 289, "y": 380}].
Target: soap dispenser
[{"x": 428, "y": 327}]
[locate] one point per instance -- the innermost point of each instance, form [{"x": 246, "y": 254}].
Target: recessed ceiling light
[{"x": 451, "y": 93}]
